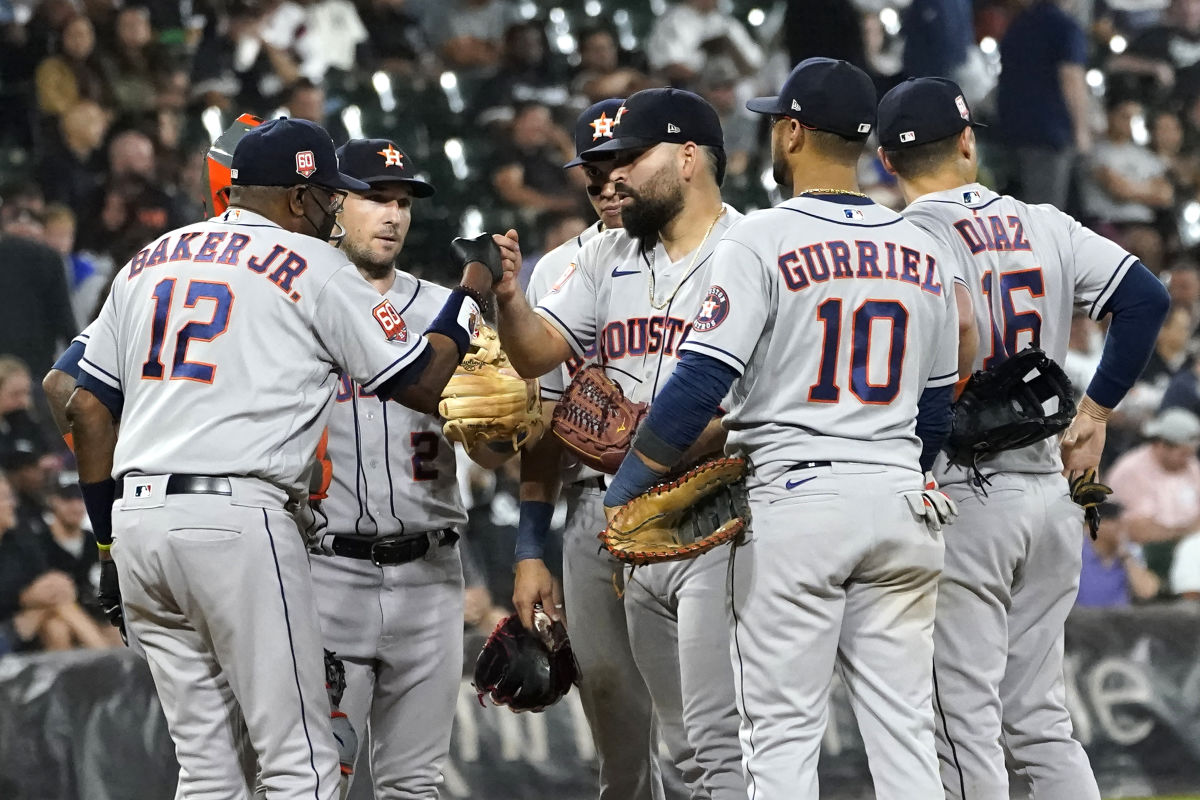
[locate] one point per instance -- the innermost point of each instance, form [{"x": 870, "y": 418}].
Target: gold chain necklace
[
  {"x": 831, "y": 191},
  {"x": 687, "y": 273}
]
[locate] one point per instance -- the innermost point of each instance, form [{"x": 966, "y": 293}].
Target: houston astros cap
[
  {"x": 287, "y": 152},
  {"x": 381, "y": 161},
  {"x": 594, "y": 124},
  {"x": 654, "y": 116},
  {"x": 825, "y": 94},
  {"x": 922, "y": 110}
]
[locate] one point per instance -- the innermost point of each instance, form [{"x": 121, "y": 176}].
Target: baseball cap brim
[
  {"x": 418, "y": 187},
  {"x": 603, "y": 151},
  {"x": 765, "y": 105},
  {"x": 341, "y": 181}
]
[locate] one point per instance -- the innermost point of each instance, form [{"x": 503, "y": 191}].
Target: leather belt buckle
[{"x": 399, "y": 550}]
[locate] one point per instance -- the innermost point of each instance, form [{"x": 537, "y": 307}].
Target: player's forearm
[
  {"x": 432, "y": 371},
  {"x": 540, "y": 484},
  {"x": 58, "y": 386},
  {"x": 1138, "y": 307},
  {"x": 533, "y": 346},
  {"x": 710, "y": 441},
  {"x": 95, "y": 434}
]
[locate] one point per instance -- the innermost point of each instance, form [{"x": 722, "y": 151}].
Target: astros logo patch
[
  {"x": 713, "y": 310},
  {"x": 390, "y": 321},
  {"x": 392, "y": 157},
  {"x": 603, "y": 126},
  {"x": 306, "y": 163}
]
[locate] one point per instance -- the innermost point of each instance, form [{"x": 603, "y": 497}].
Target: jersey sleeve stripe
[
  {"x": 562, "y": 328},
  {"x": 100, "y": 373},
  {"x": 396, "y": 366},
  {"x": 949, "y": 379},
  {"x": 1097, "y": 308},
  {"x": 723, "y": 356},
  {"x": 110, "y": 396}
]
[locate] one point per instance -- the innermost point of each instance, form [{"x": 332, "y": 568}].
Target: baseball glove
[
  {"x": 684, "y": 516},
  {"x": 343, "y": 730},
  {"x": 526, "y": 670},
  {"x": 1089, "y": 493},
  {"x": 595, "y": 420},
  {"x": 486, "y": 401},
  {"x": 1022, "y": 400}
]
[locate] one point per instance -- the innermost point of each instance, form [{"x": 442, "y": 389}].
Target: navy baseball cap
[
  {"x": 595, "y": 123},
  {"x": 380, "y": 161},
  {"x": 922, "y": 110},
  {"x": 825, "y": 94},
  {"x": 654, "y": 116},
  {"x": 288, "y": 152}
]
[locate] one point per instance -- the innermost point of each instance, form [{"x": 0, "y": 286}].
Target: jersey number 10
[
  {"x": 826, "y": 389},
  {"x": 181, "y": 368}
]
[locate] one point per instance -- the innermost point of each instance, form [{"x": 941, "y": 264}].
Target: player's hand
[
  {"x": 510, "y": 260},
  {"x": 534, "y": 585},
  {"x": 109, "y": 595},
  {"x": 1083, "y": 442}
]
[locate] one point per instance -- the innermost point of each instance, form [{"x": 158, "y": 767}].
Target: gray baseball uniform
[
  {"x": 1013, "y": 557},
  {"x": 222, "y": 340},
  {"x": 397, "y": 626},
  {"x": 608, "y": 299},
  {"x": 837, "y": 314},
  {"x": 614, "y": 696}
]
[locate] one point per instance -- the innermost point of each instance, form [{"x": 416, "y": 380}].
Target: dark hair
[
  {"x": 716, "y": 159},
  {"x": 913, "y": 162},
  {"x": 836, "y": 146}
]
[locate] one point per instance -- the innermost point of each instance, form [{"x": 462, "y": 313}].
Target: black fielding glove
[
  {"x": 109, "y": 595},
  {"x": 480, "y": 248}
]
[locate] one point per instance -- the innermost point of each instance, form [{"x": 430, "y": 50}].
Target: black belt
[
  {"x": 190, "y": 484},
  {"x": 808, "y": 465},
  {"x": 390, "y": 550}
]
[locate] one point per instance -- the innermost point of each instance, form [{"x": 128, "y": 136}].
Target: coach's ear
[
  {"x": 886, "y": 163},
  {"x": 295, "y": 198},
  {"x": 966, "y": 143}
]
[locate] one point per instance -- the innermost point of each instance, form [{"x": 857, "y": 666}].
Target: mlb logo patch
[
  {"x": 971, "y": 197},
  {"x": 390, "y": 321},
  {"x": 306, "y": 163},
  {"x": 908, "y": 136},
  {"x": 962, "y": 108},
  {"x": 853, "y": 213},
  {"x": 143, "y": 490}
]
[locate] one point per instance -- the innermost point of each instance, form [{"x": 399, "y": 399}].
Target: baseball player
[
  {"x": 629, "y": 292},
  {"x": 387, "y": 574},
  {"x": 833, "y": 320},
  {"x": 1013, "y": 558},
  {"x": 218, "y": 351},
  {"x": 614, "y": 696}
]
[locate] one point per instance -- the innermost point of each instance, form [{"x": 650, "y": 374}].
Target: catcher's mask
[{"x": 220, "y": 161}]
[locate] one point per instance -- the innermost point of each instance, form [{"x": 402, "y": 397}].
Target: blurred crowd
[{"x": 1092, "y": 105}]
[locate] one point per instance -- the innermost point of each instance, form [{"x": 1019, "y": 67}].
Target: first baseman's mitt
[
  {"x": 1089, "y": 493},
  {"x": 595, "y": 420},
  {"x": 684, "y": 516},
  {"x": 524, "y": 670},
  {"x": 1022, "y": 400},
  {"x": 485, "y": 400}
]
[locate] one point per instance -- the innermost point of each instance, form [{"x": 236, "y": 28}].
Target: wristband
[
  {"x": 98, "y": 498},
  {"x": 632, "y": 479},
  {"x": 104, "y": 548},
  {"x": 532, "y": 529},
  {"x": 457, "y": 319}
]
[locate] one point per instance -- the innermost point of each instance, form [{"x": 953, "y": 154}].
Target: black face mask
[{"x": 328, "y": 221}]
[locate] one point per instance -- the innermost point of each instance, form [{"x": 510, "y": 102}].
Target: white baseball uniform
[
  {"x": 837, "y": 314},
  {"x": 1013, "y": 557},
  {"x": 224, "y": 339},
  {"x": 396, "y": 626},
  {"x": 614, "y": 696},
  {"x": 607, "y": 298}
]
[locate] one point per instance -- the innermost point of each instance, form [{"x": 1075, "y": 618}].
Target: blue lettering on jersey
[
  {"x": 639, "y": 336},
  {"x": 817, "y": 263},
  {"x": 283, "y": 275},
  {"x": 992, "y": 234}
]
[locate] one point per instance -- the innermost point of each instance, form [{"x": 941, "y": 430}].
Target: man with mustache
[{"x": 630, "y": 293}]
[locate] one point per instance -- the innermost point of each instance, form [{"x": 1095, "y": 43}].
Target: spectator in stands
[
  {"x": 1167, "y": 142},
  {"x": 527, "y": 170},
  {"x": 1158, "y": 483},
  {"x": 87, "y": 275},
  {"x": 938, "y": 39},
  {"x": 135, "y": 63},
  {"x": 693, "y": 33},
  {"x": 828, "y": 28},
  {"x": 38, "y": 603},
  {"x": 396, "y": 41},
  {"x": 328, "y": 41},
  {"x": 306, "y": 100},
  {"x": 1127, "y": 184},
  {"x": 234, "y": 67},
  {"x": 1185, "y": 568},
  {"x": 468, "y": 33},
  {"x": 554, "y": 228},
  {"x": 74, "y": 74},
  {"x": 1114, "y": 571},
  {"x": 23, "y": 212},
  {"x": 1169, "y": 53},
  {"x": 1183, "y": 390},
  {"x": 71, "y": 548},
  {"x": 1083, "y": 351},
  {"x": 600, "y": 74},
  {"x": 1172, "y": 350},
  {"x": 718, "y": 84},
  {"x": 17, "y": 421},
  {"x": 27, "y": 473},
  {"x": 1183, "y": 284},
  {"x": 1042, "y": 101},
  {"x": 71, "y": 163},
  {"x": 527, "y": 74}
]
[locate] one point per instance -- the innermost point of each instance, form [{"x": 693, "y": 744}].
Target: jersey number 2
[
  {"x": 181, "y": 368},
  {"x": 826, "y": 389}
]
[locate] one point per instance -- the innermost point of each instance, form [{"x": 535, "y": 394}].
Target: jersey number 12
[{"x": 181, "y": 368}]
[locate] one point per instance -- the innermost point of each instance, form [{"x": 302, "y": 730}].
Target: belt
[
  {"x": 808, "y": 465},
  {"x": 191, "y": 484},
  {"x": 597, "y": 482},
  {"x": 390, "y": 550}
]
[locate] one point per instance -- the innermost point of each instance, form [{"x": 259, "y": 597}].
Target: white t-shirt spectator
[
  {"x": 1133, "y": 162},
  {"x": 1185, "y": 568}
]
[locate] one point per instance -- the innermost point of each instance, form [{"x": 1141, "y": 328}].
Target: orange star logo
[
  {"x": 603, "y": 126},
  {"x": 392, "y": 156}
]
